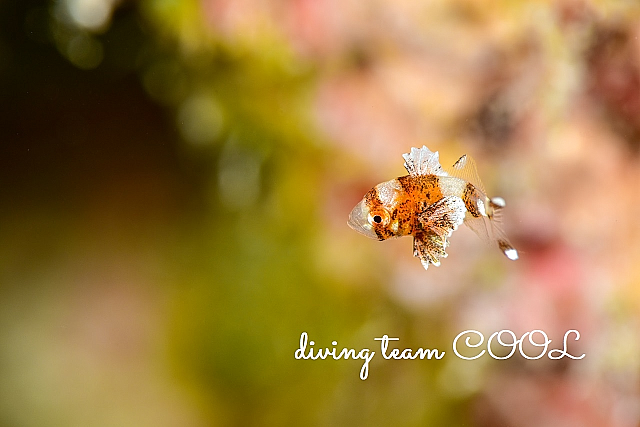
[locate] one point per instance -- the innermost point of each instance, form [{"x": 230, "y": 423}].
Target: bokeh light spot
[
  {"x": 90, "y": 14},
  {"x": 165, "y": 81},
  {"x": 239, "y": 177},
  {"x": 84, "y": 51},
  {"x": 200, "y": 119}
]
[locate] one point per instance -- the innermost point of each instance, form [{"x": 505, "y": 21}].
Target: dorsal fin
[
  {"x": 465, "y": 169},
  {"x": 422, "y": 161}
]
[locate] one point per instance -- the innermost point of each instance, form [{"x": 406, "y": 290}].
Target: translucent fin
[
  {"x": 479, "y": 226},
  {"x": 494, "y": 215},
  {"x": 487, "y": 225},
  {"x": 422, "y": 161},
  {"x": 488, "y": 228},
  {"x": 465, "y": 169}
]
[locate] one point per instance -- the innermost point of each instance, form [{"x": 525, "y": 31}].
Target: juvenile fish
[{"x": 429, "y": 204}]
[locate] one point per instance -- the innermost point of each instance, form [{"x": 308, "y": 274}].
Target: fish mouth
[{"x": 359, "y": 221}]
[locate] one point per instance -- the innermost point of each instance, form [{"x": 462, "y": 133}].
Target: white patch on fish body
[
  {"x": 481, "y": 208},
  {"x": 452, "y": 186},
  {"x": 388, "y": 192}
]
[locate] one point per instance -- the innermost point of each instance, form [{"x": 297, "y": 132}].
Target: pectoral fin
[
  {"x": 443, "y": 217},
  {"x": 436, "y": 224}
]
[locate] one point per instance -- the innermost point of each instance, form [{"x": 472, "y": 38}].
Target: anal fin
[{"x": 430, "y": 248}]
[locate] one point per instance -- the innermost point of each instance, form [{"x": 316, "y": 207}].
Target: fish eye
[{"x": 379, "y": 217}]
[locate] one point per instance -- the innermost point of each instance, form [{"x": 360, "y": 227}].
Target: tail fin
[
  {"x": 484, "y": 215},
  {"x": 494, "y": 214},
  {"x": 488, "y": 226}
]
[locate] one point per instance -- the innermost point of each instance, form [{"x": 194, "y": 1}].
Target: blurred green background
[{"x": 176, "y": 176}]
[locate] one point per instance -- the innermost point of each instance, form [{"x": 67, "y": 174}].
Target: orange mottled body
[
  {"x": 412, "y": 197},
  {"x": 415, "y": 195}
]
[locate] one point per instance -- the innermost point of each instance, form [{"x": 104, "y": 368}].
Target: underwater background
[{"x": 176, "y": 177}]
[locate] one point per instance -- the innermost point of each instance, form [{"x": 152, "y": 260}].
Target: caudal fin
[
  {"x": 494, "y": 214},
  {"x": 488, "y": 226},
  {"x": 484, "y": 215}
]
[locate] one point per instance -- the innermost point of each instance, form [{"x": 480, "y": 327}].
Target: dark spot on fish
[
  {"x": 382, "y": 233},
  {"x": 371, "y": 199},
  {"x": 459, "y": 164},
  {"x": 504, "y": 245},
  {"x": 470, "y": 199},
  {"x": 405, "y": 182}
]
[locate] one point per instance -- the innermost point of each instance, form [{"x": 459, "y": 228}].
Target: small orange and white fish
[{"x": 429, "y": 204}]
